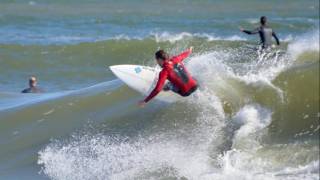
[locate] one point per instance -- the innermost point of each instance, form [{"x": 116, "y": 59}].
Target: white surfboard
[{"x": 142, "y": 79}]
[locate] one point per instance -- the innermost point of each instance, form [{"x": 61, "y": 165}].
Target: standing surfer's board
[{"x": 142, "y": 79}]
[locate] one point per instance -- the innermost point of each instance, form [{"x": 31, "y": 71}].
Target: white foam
[
  {"x": 249, "y": 159},
  {"x": 166, "y": 36},
  {"x": 100, "y": 158},
  {"x": 192, "y": 155},
  {"x": 251, "y": 118},
  {"x": 215, "y": 69},
  {"x": 170, "y": 154},
  {"x": 237, "y": 164},
  {"x": 306, "y": 42},
  {"x": 174, "y": 37},
  {"x": 308, "y": 171},
  {"x": 253, "y": 20}
]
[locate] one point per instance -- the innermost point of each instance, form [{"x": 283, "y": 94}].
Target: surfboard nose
[
  {"x": 113, "y": 68},
  {"x": 116, "y": 68},
  {"x": 122, "y": 71}
]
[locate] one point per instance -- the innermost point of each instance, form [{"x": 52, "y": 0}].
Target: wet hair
[
  {"x": 32, "y": 80},
  {"x": 263, "y": 20},
  {"x": 161, "y": 55}
]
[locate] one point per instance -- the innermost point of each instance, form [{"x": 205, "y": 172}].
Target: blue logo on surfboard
[{"x": 137, "y": 70}]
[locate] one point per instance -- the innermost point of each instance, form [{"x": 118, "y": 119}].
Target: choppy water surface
[{"x": 256, "y": 116}]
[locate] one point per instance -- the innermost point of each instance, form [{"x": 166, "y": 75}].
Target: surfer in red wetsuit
[{"x": 180, "y": 81}]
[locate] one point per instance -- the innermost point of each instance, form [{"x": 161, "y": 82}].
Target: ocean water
[{"x": 256, "y": 115}]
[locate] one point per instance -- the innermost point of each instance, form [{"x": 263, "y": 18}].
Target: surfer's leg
[
  {"x": 167, "y": 87},
  {"x": 170, "y": 87}
]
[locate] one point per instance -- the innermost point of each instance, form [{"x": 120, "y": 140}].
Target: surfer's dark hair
[
  {"x": 161, "y": 54},
  {"x": 263, "y": 20}
]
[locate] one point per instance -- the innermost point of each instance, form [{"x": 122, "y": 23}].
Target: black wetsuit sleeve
[
  {"x": 276, "y": 38},
  {"x": 255, "y": 31}
]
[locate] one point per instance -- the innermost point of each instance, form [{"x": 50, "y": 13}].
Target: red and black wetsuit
[{"x": 176, "y": 73}]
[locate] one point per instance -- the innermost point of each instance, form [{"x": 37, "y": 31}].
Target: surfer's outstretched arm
[
  {"x": 162, "y": 79},
  {"x": 255, "y": 31},
  {"x": 276, "y": 38},
  {"x": 182, "y": 56}
]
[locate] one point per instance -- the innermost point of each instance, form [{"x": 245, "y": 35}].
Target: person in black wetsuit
[
  {"x": 32, "y": 86},
  {"x": 265, "y": 32}
]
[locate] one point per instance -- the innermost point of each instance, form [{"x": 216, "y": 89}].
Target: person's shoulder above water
[
  {"x": 33, "y": 88},
  {"x": 27, "y": 90}
]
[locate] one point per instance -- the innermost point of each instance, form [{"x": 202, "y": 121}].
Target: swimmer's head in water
[
  {"x": 32, "y": 81},
  {"x": 263, "y": 20},
  {"x": 161, "y": 56}
]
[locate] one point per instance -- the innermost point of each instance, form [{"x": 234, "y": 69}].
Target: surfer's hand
[
  {"x": 191, "y": 48},
  {"x": 142, "y": 104}
]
